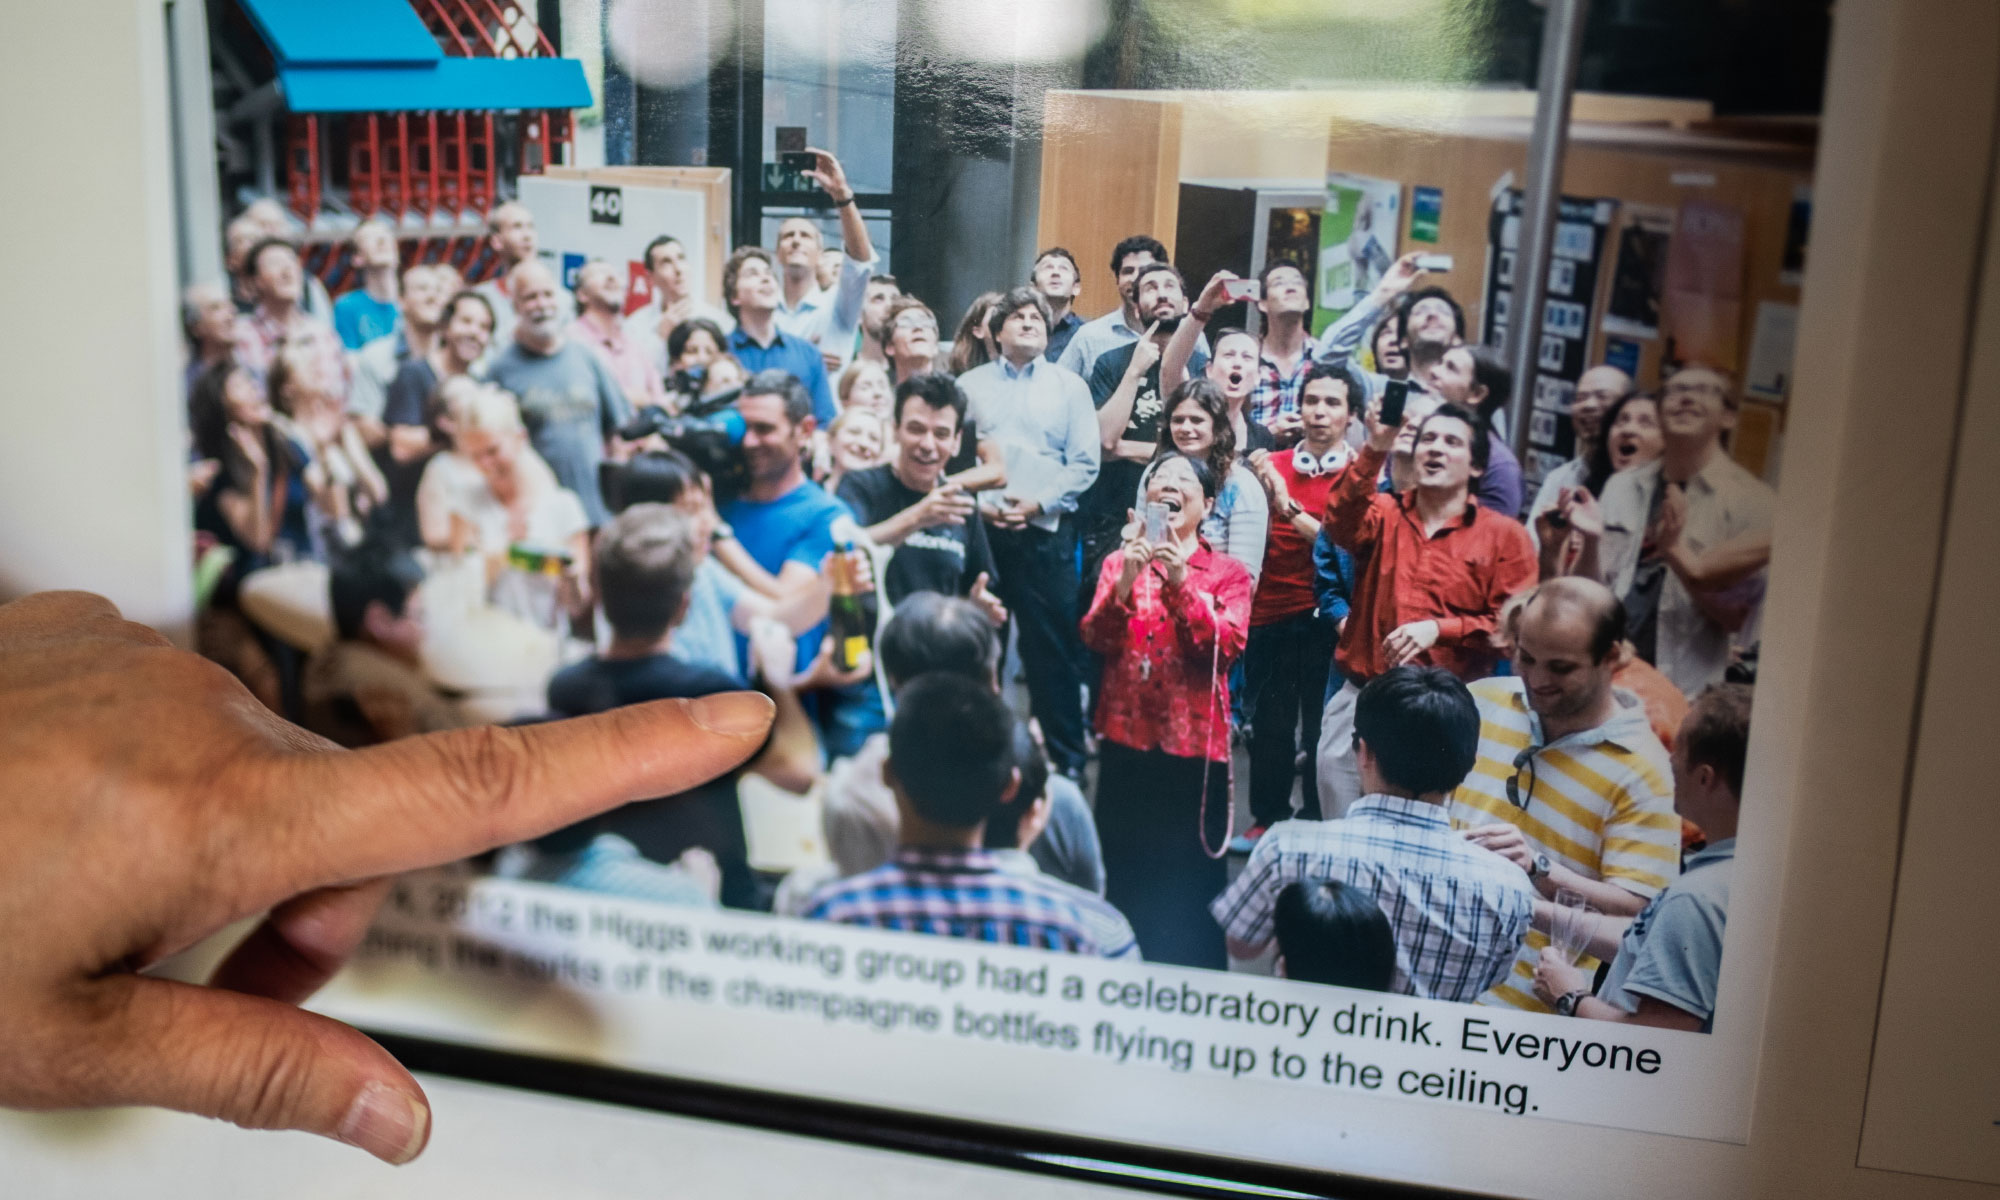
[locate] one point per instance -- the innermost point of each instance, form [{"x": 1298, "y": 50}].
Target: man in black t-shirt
[
  {"x": 939, "y": 542},
  {"x": 644, "y": 564},
  {"x": 1125, "y": 386}
]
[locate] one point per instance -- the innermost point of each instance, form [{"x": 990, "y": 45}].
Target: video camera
[{"x": 709, "y": 433}]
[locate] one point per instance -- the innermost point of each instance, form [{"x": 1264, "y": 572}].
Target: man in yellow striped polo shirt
[{"x": 1570, "y": 783}]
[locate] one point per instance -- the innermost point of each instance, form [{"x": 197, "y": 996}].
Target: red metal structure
[{"x": 428, "y": 170}]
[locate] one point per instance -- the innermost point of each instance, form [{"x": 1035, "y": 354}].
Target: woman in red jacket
[{"x": 1169, "y": 618}]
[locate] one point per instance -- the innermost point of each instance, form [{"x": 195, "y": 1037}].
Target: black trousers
[
  {"x": 1152, "y": 823},
  {"x": 1038, "y": 584},
  {"x": 1285, "y": 666}
]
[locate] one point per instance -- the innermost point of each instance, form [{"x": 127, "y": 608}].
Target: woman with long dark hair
[
  {"x": 1197, "y": 424},
  {"x": 258, "y": 501},
  {"x": 1170, "y": 616},
  {"x": 973, "y": 345}
]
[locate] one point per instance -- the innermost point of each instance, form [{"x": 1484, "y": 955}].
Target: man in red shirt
[
  {"x": 1432, "y": 570},
  {"x": 1291, "y": 646}
]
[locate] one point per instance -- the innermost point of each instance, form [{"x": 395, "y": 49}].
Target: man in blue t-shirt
[
  {"x": 782, "y": 518},
  {"x": 370, "y": 311}
]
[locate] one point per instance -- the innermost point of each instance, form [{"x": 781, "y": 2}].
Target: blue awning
[
  {"x": 378, "y": 56},
  {"x": 327, "y": 33},
  {"x": 451, "y": 83}
]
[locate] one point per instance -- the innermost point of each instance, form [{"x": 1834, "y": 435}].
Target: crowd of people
[{"x": 1467, "y": 713}]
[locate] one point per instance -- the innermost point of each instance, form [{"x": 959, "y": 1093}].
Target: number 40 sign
[{"x": 607, "y": 205}]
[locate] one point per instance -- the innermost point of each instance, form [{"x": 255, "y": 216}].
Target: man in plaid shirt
[
  {"x": 1458, "y": 911},
  {"x": 952, "y": 767}
]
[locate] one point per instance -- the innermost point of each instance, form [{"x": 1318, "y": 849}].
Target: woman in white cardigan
[{"x": 1198, "y": 424}]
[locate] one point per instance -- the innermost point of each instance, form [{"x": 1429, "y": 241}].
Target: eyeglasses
[{"x": 1524, "y": 763}]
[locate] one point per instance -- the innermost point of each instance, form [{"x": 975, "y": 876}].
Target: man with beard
[
  {"x": 930, "y": 525},
  {"x": 600, "y": 291},
  {"x": 750, "y": 286},
  {"x": 1124, "y": 323},
  {"x": 825, "y": 317},
  {"x": 883, "y": 291},
  {"x": 1127, "y": 389},
  {"x": 1056, "y": 277},
  {"x": 1039, "y": 415},
  {"x": 1571, "y": 784},
  {"x": 1434, "y": 569},
  {"x": 784, "y": 520},
  {"x": 511, "y": 236},
  {"x": 570, "y": 402}
]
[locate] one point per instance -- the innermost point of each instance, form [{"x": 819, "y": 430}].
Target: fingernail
[
  {"x": 386, "y": 1123},
  {"x": 733, "y": 714}
]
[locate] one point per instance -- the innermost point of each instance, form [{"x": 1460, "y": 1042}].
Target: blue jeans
[
  {"x": 1285, "y": 668},
  {"x": 1038, "y": 582}
]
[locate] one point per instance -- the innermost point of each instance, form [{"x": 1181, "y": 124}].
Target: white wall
[{"x": 91, "y": 481}]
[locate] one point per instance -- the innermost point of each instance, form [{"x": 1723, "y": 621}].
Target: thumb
[
  {"x": 244, "y": 1059},
  {"x": 979, "y": 584}
]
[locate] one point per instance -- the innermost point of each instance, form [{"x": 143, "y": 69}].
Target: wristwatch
[
  {"x": 846, "y": 202},
  {"x": 721, "y": 533},
  {"x": 1566, "y": 1003},
  {"x": 1540, "y": 868}
]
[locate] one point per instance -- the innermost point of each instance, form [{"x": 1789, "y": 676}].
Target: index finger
[{"x": 441, "y": 797}]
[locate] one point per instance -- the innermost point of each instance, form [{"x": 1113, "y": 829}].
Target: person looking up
[
  {"x": 1038, "y": 415},
  {"x": 1434, "y": 567},
  {"x": 1197, "y": 425},
  {"x": 1057, "y": 278},
  {"x": 277, "y": 323},
  {"x": 760, "y": 342},
  {"x": 422, "y": 297},
  {"x": 1665, "y": 523},
  {"x": 1596, "y": 391},
  {"x": 600, "y": 295},
  {"x": 208, "y": 322},
  {"x": 512, "y": 241},
  {"x": 825, "y": 318},
  {"x": 1290, "y": 648},
  {"x": 370, "y": 311},
  {"x": 674, "y": 303},
  {"x": 1474, "y": 377},
  {"x": 570, "y": 403},
  {"x": 910, "y": 338},
  {"x": 973, "y": 345}
]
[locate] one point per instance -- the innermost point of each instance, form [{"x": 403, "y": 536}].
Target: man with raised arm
[
  {"x": 825, "y": 317},
  {"x": 1433, "y": 570}
]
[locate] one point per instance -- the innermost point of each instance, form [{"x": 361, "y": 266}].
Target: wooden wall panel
[{"x": 1111, "y": 167}]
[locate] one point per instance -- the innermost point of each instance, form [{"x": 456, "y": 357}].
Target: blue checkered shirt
[
  {"x": 1458, "y": 911},
  {"x": 972, "y": 894}
]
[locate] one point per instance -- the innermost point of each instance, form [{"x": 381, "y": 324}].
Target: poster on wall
[
  {"x": 1582, "y": 232},
  {"x": 579, "y": 220},
  {"x": 1639, "y": 274},
  {"x": 1358, "y": 235},
  {"x": 1702, "y": 310}
]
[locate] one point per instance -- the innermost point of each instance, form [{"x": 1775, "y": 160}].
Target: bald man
[
  {"x": 511, "y": 237},
  {"x": 570, "y": 402},
  {"x": 825, "y": 316},
  {"x": 1570, "y": 784},
  {"x": 1596, "y": 391}
]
